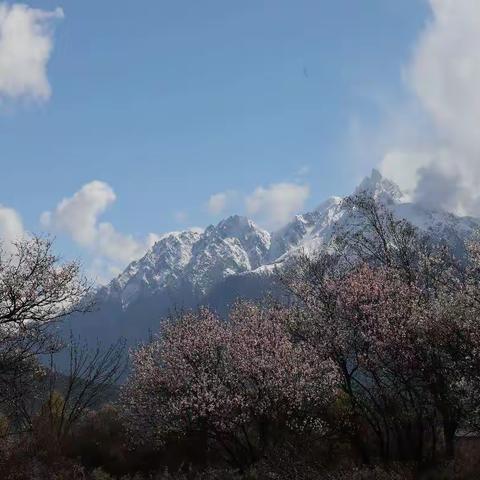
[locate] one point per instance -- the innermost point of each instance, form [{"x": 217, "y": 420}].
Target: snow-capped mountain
[
  {"x": 197, "y": 259},
  {"x": 235, "y": 257}
]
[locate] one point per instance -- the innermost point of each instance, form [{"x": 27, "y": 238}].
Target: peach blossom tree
[{"x": 243, "y": 384}]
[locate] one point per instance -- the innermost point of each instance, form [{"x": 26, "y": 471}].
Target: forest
[{"x": 364, "y": 363}]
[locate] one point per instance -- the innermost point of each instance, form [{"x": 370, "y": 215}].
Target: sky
[{"x": 120, "y": 121}]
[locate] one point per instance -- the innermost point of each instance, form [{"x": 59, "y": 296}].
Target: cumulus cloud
[
  {"x": 404, "y": 168},
  {"x": 444, "y": 76},
  {"x": 26, "y": 42},
  {"x": 78, "y": 216},
  {"x": 275, "y": 205},
  {"x": 445, "y": 71},
  {"x": 219, "y": 202},
  {"x": 102, "y": 270},
  {"x": 11, "y": 227}
]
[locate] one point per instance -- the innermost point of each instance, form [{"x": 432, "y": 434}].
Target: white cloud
[
  {"x": 78, "y": 216},
  {"x": 445, "y": 71},
  {"x": 118, "y": 246},
  {"x": 219, "y": 202},
  {"x": 444, "y": 75},
  {"x": 275, "y": 205},
  {"x": 26, "y": 42},
  {"x": 102, "y": 271},
  {"x": 11, "y": 227},
  {"x": 404, "y": 169}
]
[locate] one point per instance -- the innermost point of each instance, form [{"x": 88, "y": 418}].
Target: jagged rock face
[
  {"x": 197, "y": 259},
  {"x": 380, "y": 188},
  {"x": 223, "y": 261},
  {"x": 236, "y": 245},
  {"x": 307, "y": 232},
  {"x": 162, "y": 266}
]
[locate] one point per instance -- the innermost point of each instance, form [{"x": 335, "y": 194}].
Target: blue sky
[{"x": 171, "y": 102}]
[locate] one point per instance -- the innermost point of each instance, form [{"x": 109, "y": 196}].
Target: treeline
[{"x": 368, "y": 367}]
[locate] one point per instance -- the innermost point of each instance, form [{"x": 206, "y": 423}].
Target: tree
[
  {"x": 284, "y": 385},
  {"x": 355, "y": 317},
  {"x": 89, "y": 381},
  {"x": 242, "y": 384},
  {"x": 36, "y": 290},
  {"x": 400, "y": 315}
]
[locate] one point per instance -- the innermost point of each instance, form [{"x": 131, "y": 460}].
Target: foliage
[
  {"x": 36, "y": 290},
  {"x": 369, "y": 371},
  {"x": 241, "y": 384}
]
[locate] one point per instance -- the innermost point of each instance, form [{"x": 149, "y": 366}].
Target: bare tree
[
  {"x": 90, "y": 379},
  {"x": 374, "y": 235},
  {"x": 37, "y": 289}
]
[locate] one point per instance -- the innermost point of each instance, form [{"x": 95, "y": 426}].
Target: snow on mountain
[
  {"x": 200, "y": 261},
  {"x": 163, "y": 265},
  {"x": 197, "y": 259},
  {"x": 313, "y": 231},
  {"x": 380, "y": 188},
  {"x": 308, "y": 232}
]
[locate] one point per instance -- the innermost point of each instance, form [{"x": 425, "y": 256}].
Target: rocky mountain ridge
[{"x": 235, "y": 258}]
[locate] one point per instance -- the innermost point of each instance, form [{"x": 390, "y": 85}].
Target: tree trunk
[{"x": 449, "y": 429}]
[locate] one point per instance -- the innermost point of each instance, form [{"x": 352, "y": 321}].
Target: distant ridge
[{"x": 234, "y": 258}]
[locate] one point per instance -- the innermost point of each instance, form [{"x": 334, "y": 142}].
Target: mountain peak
[
  {"x": 236, "y": 258},
  {"x": 380, "y": 187},
  {"x": 235, "y": 222}
]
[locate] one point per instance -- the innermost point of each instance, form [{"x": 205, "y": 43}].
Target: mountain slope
[{"x": 235, "y": 258}]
